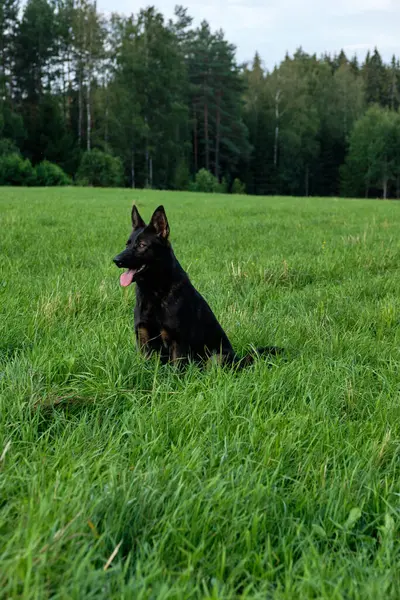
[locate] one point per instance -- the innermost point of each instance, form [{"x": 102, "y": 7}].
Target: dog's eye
[{"x": 141, "y": 245}]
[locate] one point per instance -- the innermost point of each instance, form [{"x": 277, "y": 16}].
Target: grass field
[{"x": 121, "y": 478}]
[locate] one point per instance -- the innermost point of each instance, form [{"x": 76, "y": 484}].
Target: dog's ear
[
  {"x": 159, "y": 222},
  {"x": 137, "y": 220}
]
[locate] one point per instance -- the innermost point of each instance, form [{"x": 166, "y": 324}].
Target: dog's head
[{"x": 146, "y": 247}]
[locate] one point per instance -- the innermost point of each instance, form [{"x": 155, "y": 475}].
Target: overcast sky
[{"x": 275, "y": 26}]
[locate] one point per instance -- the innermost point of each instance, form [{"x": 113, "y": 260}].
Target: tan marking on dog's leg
[
  {"x": 142, "y": 336},
  {"x": 164, "y": 337},
  {"x": 174, "y": 352}
]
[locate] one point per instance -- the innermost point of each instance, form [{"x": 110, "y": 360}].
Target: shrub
[
  {"x": 48, "y": 174},
  {"x": 14, "y": 170},
  {"x": 205, "y": 182},
  {"x": 100, "y": 169},
  {"x": 238, "y": 187}
]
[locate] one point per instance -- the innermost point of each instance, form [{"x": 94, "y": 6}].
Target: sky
[{"x": 273, "y": 27}]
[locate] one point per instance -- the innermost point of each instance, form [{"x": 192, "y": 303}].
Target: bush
[
  {"x": 100, "y": 169},
  {"x": 205, "y": 182},
  {"x": 14, "y": 170},
  {"x": 48, "y": 174},
  {"x": 238, "y": 187}
]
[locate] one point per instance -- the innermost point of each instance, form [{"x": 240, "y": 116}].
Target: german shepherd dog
[{"x": 171, "y": 317}]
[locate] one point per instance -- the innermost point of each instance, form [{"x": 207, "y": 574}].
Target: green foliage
[
  {"x": 11, "y": 124},
  {"x": 8, "y": 28},
  {"x": 373, "y": 161},
  {"x": 8, "y": 147},
  {"x": 47, "y": 134},
  {"x": 216, "y": 89},
  {"x": 14, "y": 170},
  {"x": 238, "y": 187},
  {"x": 257, "y": 117},
  {"x": 376, "y": 78},
  {"x": 280, "y": 482},
  {"x": 206, "y": 182},
  {"x": 148, "y": 97},
  {"x": 169, "y": 98},
  {"x": 100, "y": 169},
  {"x": 49, "y": 174},
  {"x": 35, "y": 48}
]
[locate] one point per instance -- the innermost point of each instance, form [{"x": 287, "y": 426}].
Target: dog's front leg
[
  {"x": 178, "y": 355},
  {"x": 142, "y": 340},
  {"x": 147, "y": 342}
]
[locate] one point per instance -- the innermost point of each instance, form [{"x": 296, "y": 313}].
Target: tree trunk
[
  {"x": 276, "y": 141},
  {"x": 151, "y": 172},
  {"x": 106, "y": 115},
  {"x": 146, "y": 183},
  {"x": 88, "y": 87},
  {"x": 106, "y": 123},
  {"x": 367, "y": 188},
  {"x": 195, "y": 142},
  {"x": 81, "y": 62},
  {"x": 133, "y": 167},
  {"x": 88, "y": 112},
  {"x": 69, "y": 99},
  {"x": 217, "y": 135},
  {"x": 385, "y": 182},
  {"x": 307, "y": 181},
  {"x": 80, "y": 102},
  {"x": 64, "y": 89},
  {"x": 2, "y": 70},
  {"x": 206, "y": 139}
]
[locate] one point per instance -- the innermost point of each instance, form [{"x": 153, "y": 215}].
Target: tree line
[{"x": 166, "y": 100}]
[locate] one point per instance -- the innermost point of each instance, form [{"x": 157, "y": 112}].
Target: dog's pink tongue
[{"x": 126, "y": 278}]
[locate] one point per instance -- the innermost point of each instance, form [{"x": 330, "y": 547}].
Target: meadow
[{"x": 121, "y": 478}]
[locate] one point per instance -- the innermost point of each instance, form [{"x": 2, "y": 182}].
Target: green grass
[{"x": 276, "y": 482}]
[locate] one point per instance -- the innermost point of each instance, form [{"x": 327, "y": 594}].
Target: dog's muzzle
[{"x": 119, "y": 261}]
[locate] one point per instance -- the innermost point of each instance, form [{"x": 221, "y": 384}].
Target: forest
[{"x": 144, "y": 101}]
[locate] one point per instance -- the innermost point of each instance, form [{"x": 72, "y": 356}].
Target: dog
[{"x": 171, "y": 317}]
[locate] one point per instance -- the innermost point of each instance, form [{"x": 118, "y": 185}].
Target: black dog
[{"x": 171, "y": 317}]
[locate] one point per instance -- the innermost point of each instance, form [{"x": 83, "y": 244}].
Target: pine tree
[
  {"x": 89, "y": 33},
  {"x": 394, "y": 84},
  {"x": 11, "y": 123},
  {"x": 8, "y": 28},
  {"x": 151, "y": 78},
  {"x": 258, "y": 172},
  {"x": 220, "y": 137},
  {"x": 376, "y": 79},
  {"x": 36, "y": 50},
  {"x": 35, "y": 71}
]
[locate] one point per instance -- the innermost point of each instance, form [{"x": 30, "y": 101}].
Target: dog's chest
[{"x": 156, "y": 314}]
